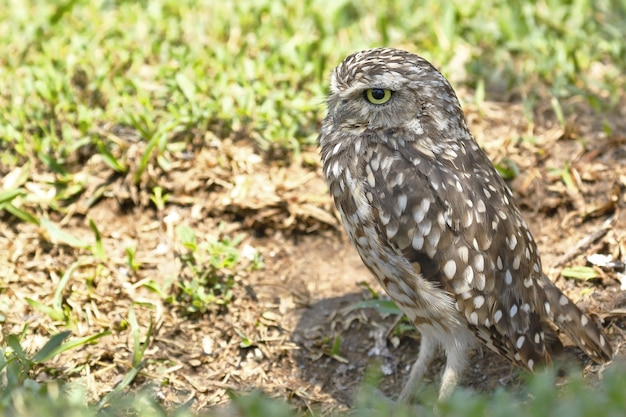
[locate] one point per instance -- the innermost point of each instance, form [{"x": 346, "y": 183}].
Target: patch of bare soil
[{"x": 290, "y": 329}]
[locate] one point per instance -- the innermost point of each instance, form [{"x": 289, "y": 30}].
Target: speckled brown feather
[{"x": 433, "y": 220}]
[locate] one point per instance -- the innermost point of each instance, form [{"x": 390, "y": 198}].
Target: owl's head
[{"x": 390, "y": 88}]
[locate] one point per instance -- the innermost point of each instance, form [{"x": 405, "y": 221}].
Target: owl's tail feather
[{"x": 583, "y": 331}]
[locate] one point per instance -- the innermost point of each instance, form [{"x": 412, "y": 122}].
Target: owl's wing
[{"x": 453, "y": 219}]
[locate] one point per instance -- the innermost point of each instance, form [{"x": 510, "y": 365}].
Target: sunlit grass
[{"x": 131, "y": 87}]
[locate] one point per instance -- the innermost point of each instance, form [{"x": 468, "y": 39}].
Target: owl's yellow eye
[{"x": 378, "y": 95}]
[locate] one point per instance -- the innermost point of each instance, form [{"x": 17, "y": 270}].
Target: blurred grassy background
[
  {"x": 82, "y": 78},
  {"x": 74, "y": 71}
]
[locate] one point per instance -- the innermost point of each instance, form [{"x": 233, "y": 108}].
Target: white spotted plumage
[{"x": 435, "y": 223}]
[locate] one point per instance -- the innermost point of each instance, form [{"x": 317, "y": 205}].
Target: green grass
[
  {"x": 76, "y": 72},
  {"x": 21, "y": 395},
  {"x": 96, "y": 80}
]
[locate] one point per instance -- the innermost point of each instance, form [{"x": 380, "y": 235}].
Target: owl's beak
[{"x": 339, "y": 114}]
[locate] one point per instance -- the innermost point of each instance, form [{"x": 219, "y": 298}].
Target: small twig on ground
[{"x": 584, "y": 243}]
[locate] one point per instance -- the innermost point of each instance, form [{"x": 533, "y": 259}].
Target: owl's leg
[
  {"x": 456, "y": 360},
  {"x": 428, "y": 348}
]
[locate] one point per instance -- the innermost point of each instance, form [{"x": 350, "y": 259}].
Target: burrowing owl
[{"x": 435, "y": 223}]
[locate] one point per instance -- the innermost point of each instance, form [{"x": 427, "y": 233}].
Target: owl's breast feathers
[{"x": 445, "y": 212}]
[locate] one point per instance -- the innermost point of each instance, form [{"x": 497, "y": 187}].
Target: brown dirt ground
[{"x": 294, "y": 308}]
